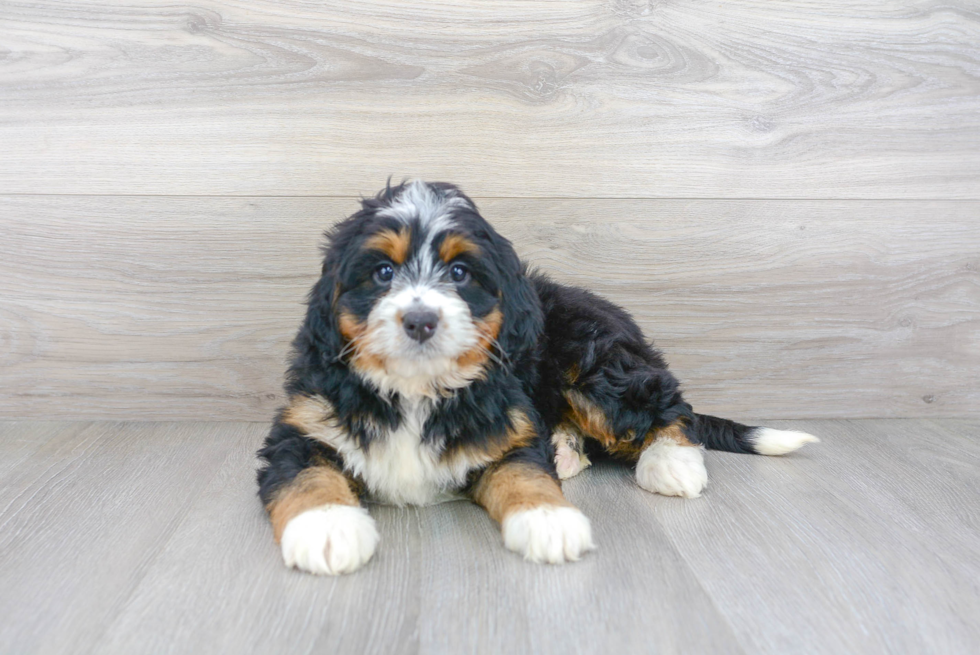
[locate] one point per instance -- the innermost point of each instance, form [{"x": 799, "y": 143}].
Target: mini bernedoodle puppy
[{"x": 433, "y": 365}]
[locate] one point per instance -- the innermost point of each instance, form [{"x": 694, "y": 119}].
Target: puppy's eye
[
  {"x": 459, "y": 273},
  {"x": 383, "y": 273}
]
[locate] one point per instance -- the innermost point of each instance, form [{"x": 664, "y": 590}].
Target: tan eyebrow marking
[
  {"x": 392, "y": 243},
  {"x": 455, "y": 245}
]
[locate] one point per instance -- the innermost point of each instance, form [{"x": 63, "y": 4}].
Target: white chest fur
[{"x": 399, "y": 468}]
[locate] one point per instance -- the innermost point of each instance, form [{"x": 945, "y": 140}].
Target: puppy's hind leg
[
  {"x": 570, "y": 457},
  {"x": 649, "y": 428},
  {"x": 672, "y": 465}
]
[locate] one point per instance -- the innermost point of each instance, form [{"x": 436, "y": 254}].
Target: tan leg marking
[
  {"x": 589, "y": 418},
  {"x": 591, "y": 421},
  {"x": 313, "y": 487},
  {"x": 512, "y": 487},
  {"x": 671, "y": 465},
  {"x": 675, "y": 432},
  {"x": 535, "y": 519}
]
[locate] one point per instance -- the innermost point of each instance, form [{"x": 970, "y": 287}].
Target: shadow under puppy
[{"x": 432, "y": 365}]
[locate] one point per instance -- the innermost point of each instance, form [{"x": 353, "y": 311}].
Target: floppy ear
[
  {"x": 519, "y": 303},
  {"x": 319, "y": 342},
  {"x": 320, "y": 328}
]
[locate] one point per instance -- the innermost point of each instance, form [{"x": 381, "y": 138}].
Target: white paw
[
  {"x": 548, "y": 534},
  {"x": 767, "y": 441},
  {"x": 672, "y": 470},
  {"x": 569, "y": 462},
  {"x": 330, "y": 540}
]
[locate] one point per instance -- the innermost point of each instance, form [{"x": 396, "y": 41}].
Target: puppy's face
[{"x": 419, "y": 288}]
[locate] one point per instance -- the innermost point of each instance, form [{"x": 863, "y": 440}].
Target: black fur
[{"x": 553, "y": 338}]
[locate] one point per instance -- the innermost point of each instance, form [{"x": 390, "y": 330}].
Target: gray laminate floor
[{"x": 148, "y": 537}]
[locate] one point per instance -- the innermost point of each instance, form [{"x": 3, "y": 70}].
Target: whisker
[
  {"x": 492, "y": 355},
  {"x": 503, "y": 353},
  {"x": 489, "y": 353},
  {"x": 351, "y": 345}
]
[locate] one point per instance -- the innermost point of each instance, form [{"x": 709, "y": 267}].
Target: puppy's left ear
[{"x": 519, "y": 303}]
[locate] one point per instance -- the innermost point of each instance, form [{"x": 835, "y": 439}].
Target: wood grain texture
[
  {"x": 90, "y": 509},
  {"x": 219, "y": 585},
  {"x": 183, "y": 308},
  {"x": 19, "y": 441},
  {"x": 592, "y": 98},
  {"x": 638, "y": 596},
  {"x": 149, "y": 538},
  {"x": 862, "y": 533}
]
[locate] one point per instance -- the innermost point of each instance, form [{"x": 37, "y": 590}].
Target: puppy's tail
[{"x": 721, "y": 434}]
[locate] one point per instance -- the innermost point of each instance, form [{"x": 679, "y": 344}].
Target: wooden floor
[{"x": 148, "y": 537}]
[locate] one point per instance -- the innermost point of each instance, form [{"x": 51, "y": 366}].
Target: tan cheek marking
[
  {"x": 520, "y": 434},
  {"x": 353, "y": 330},
  {"x": 489, "y": 330},
  {"x": 513, "y": 487},
  {"x": 350, "y": 327},
  {"x": 393, "y": 244},
  {"x": 455, "y": 245},
  {"x": 313, "y": 487}
]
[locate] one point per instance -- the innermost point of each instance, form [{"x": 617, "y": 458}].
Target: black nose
[{"x": 420, "y": 324}]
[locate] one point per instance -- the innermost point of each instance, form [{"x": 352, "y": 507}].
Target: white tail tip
[{"x": 767, "y": 441}]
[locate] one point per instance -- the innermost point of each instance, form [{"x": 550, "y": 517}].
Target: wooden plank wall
[{"x": 786, "y": 195}]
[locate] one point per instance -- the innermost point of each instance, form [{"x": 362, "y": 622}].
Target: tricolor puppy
[{"x": 433, "y": 365}]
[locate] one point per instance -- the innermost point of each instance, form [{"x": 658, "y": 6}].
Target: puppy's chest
[{"x": 402, "y": 468}]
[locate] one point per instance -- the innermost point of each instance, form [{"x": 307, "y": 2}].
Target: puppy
[{"x": 433, "y": 365}]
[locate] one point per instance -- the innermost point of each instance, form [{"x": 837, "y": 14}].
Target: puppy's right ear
[
  {"x": 321, "y": 329},
  {"x": 318, "y": 343}
]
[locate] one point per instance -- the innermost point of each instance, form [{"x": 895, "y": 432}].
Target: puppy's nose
[{"x": 420, "y": 324}]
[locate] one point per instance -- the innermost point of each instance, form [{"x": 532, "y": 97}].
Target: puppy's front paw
[
  {"x": 330, "y": 540},
  {"x": 672, "y": 470},
  {"x": 548, "y": 534}
]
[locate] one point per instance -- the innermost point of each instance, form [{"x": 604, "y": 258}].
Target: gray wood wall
[{"x": 785, "y": 194}]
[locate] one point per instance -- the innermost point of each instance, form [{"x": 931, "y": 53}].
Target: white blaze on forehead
[
  {"x": 431, "y": 207},
  {"x": 430, "y": 210}
]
